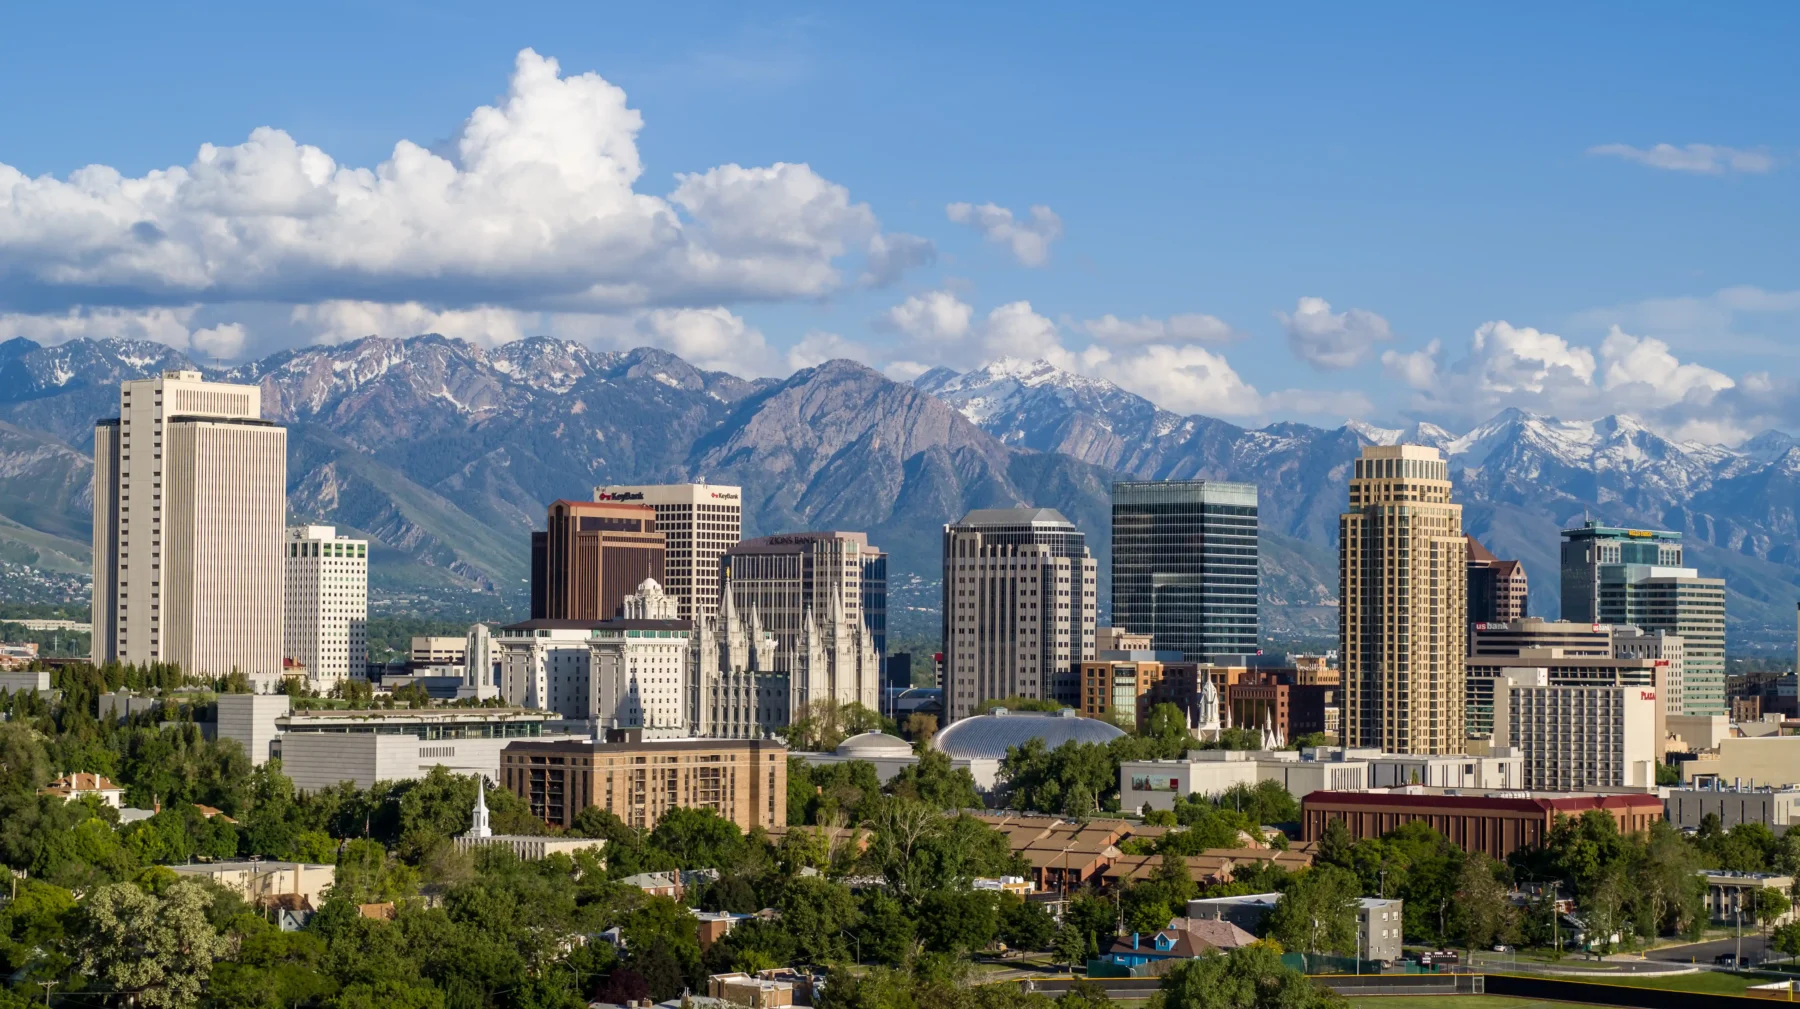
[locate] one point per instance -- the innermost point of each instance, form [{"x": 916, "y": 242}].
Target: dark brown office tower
[
  {"x": 1498, "y": 590},
  {"x": 593, "y": 555}
]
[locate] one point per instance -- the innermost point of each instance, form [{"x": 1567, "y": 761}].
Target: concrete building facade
[
  {"x": 699, "y": 522},
  {"x": 743, "y": 780},
  {"x": 190, "y": 509},
  {"x": 327, "y": 605},
  {"x": 1402, "y": 619},
  {"x": 1020, "y": 608},
  {"x": 1775, "y": 808},
  {"x": 1580, "y": 737}
]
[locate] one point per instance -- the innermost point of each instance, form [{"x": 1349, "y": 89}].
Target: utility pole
[
  {"x": 1738, "y": 964},
  {"x": 47, "y": 985}
]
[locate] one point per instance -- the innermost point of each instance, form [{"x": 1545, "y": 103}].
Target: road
[{"x": 1703, "y": 952}]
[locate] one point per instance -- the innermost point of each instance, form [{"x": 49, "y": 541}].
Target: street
[{"x": 1703, "y": 952}]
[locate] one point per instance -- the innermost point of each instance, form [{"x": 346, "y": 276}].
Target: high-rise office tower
[
  {"x": 1402, "y": 570},
  {"x": 190, "y": 509},
  {"x": 591, "y": 556},
  {"x": 1498, "y": 590},
  {"x": 1590, "y": 548},
  {"x": 1184, "y": 565},
  {"x": 1019, "y": 608},
  {"x": 699, "y": 523},
  {"x": 1635, "y": 576},
  {"x": 815, "y": 592},
  {"x": 327, "y": 604}
]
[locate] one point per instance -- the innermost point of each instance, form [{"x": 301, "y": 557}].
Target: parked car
[
  {"x": 1501, "y": 947},
  {"x": 1731, "y": 960}
]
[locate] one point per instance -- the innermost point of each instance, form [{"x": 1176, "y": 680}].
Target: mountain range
[{"x": 445, "y": 454}]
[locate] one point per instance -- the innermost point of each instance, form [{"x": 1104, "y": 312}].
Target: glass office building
[
  {"x": 1591, "y": 547},
  {"x": 1184, "y": 565}
]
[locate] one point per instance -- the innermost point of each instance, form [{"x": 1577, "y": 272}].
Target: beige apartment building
[
  {"x": 190, "y": 508},
  {"x": 1402, "y": 569},
  {"x": 638, "y": 780},
  {"x": 1020, "y": 599},
  {"x": 699, "y": 522}
]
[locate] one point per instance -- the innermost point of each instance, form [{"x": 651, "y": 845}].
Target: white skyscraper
[
  {"x": 190, "y": 504},
  {"x": 699, "y": 522},
  {"x": 327, "y": 604}
]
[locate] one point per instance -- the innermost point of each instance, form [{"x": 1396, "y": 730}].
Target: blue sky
[{"x": 1433, "y": 169}]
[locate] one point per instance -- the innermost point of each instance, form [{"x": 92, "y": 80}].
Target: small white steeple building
[{"x": 480, "y": 828}]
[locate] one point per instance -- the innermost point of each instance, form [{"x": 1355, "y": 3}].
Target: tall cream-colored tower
[
  {"x": 190, "y": 506},
  {"x": 1402, "y": 623}
]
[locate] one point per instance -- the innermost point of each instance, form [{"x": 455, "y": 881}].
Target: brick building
[{"x": 1494, "y": 824}]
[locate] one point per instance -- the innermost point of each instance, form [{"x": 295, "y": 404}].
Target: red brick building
[{"x": 1497, "y": 826}]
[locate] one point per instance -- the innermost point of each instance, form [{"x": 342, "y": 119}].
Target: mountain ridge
[{"x": 445, "y": 453}]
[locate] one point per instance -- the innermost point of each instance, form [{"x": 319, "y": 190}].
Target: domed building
[
  {"x": 987, "y": 737},
  {"x": 891, "y": 754},
  {"x": 874, "y": 746}
]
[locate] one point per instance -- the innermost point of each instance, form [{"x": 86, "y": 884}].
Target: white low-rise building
[
  {"x": 321, "y": 747},
  {"x": 1156, "y": 783}
]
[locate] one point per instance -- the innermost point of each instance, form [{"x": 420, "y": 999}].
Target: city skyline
[{"x": 1627, "y": 261}]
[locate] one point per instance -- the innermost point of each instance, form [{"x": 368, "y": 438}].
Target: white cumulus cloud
[
  {"x": 1029, "y": 240},
  {"x": 1332, "y": 341},
  {"x": 817, "y": 347},
  {"x": 1542, "y": 372},
  {"x": 1191, "y": 327},
  {"x": 934, "y": 317},
  {"x": 1701, "y": 159},
  {"x": 533, "y": 206}
]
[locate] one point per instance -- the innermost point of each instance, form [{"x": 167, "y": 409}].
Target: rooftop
[
  {"x": 1015, "y": 517},
  {"x": 989, "y": 736}
]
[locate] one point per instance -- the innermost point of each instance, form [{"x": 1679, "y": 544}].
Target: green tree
[
  {"x": 1070, "y": 946},
  {"x": 1786, "y": 939},
  {"x": 958, "y": 921},
  {"x": 1085, "y": 994},
  {"x": 698, "y": 838},
  {"x": 1483, "y": 915},
  {"x": 885, "y": 931},
  {"x": 1025, "y": 924},
  {"x": 1770, "y": 904},
  {"x": 158, "y": 948},
  {"x": 816, "y": 912},
  {"x": 934, "y": 782},
  {"x": 1250, "y": 977},
  {"x": 1317, "y": 914}
]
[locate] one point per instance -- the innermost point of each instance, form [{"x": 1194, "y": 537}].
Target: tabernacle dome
[{"x": 988, "y": 736}]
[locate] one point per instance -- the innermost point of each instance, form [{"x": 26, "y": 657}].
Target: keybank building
[{"x": 1184, "y": 565}]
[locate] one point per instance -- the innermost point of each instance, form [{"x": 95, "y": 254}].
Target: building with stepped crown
[
  {"x": 1020, "y": 608},
  {"x": 1402, "y": 571}
]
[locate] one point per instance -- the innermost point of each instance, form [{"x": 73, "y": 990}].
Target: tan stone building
[
  {"x": 743, "y": 780},
  {"x": 1020, "y": 598},
  {"x": 190, "y": 513},
  {"x": 1402, "y": 569}
]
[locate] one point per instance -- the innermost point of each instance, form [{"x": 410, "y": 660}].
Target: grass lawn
[
  {"x": 1448, "y": 1002},
  {"x": 1711, "y": 982}
]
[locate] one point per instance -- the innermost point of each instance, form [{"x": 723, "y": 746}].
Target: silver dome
[{"x": 988, "y": 736}]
